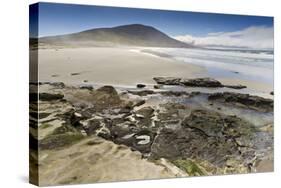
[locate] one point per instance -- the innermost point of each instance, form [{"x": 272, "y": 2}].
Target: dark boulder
[{"x": 141, "y": 85}]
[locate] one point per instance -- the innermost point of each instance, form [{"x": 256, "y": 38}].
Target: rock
[
  {"x": 106, "y": 97},
  {"x": 146, "y": 111},
  {"x": 196, "y": 82},
  {"x": 158, "y": 86},
  {"x": 92, "y": 126},
  {"x": 41, "y": 115},
  {"x": 60, "y": 85},
  {"x": 126, "y": 109},
  {"x": 218, "y": 125},
  {"x": 201, "y": 82},
  {"x": 85, "y": 81},
  {"x": 130, "y": 105},
  {"x": 235, "y": 86},
  {"x": 142, "y": 93},
  {"x": 171, "y": 112},
  {"x": 74, "y": 73},
  {"x": 141, "y": 85},
  {"x": 89, "y": 87},
  {"x": 50, "y": 96},
  {"x": 71, "y": 117},
  {"x": 167, "y": 80},
  {"x": 243, "y": 100},
  {"x": 205, "y": 135},
  {"x": 137, "y": 103},
  {"x": 143, "y": 117},
  {"x": 108, "y": 90}
]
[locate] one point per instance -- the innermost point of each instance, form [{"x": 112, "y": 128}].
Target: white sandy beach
[
  {"x": 115, "y": 66},
  {"x": 120, "y": 66}
]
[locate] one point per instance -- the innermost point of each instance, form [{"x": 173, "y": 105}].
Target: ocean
[{"x": 252, "y": 65}]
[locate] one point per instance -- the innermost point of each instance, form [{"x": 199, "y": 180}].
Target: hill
[{"x": 129, "y": 35}]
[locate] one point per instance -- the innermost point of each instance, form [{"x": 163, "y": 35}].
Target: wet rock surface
[
  {"x": 201, "y": 82},
  {"x": 244, "y": 100},
  {"x": 197, "y": 140},
  {"x": 208, "y": 136},
  {"x": 196, "y": 82}
]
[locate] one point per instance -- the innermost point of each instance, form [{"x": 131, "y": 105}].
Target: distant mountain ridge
[{"x": 131, "y": 35}]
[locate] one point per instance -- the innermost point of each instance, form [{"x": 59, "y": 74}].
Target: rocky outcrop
[
  {"x": 201, "y": 82},
  {"x": 243, "y": 100},
  {"x": 177, "y": 127},
  {"x": 196, "y": 82},
  {"x": 208, "y": 136}
]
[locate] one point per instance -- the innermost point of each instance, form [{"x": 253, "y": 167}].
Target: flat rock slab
[
  {"x": 196, "y": 82},
  {"x": 243, "y": 100}
]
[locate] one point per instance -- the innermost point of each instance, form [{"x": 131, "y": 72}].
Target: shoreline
[{"x": 126, "y": 67}]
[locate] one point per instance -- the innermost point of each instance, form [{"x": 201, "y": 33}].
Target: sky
[{"x": 191, "y": 27}]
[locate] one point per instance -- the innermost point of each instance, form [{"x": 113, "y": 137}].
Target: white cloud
[{"x": 257, "y": 37}]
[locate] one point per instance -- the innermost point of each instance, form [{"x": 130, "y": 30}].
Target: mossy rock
[{"x": 190, "y": 167}]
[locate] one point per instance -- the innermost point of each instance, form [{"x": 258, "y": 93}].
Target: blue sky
[
  {"x": 205, "y": 29},
  {"x": 58, "y": 19}
]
